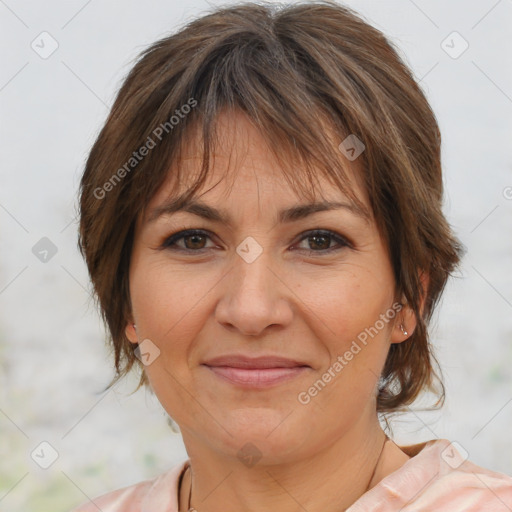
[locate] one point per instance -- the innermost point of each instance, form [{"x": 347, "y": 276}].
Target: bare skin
[{"x": 200, "y": 299}]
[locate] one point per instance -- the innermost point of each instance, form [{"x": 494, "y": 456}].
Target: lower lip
[{"x": 259, "y": 377}]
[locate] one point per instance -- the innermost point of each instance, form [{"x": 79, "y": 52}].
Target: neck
[{"x": 331, "y": 480}]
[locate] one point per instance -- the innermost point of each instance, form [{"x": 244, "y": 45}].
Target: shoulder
[
  {"x": 460, "y": 484},
  {"x": 439, "y": 476},
  {"x": 160, "y": 492}
]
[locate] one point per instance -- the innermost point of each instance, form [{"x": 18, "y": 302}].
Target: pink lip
[
  {"x": 258, "y": 372},
  {"x": 239, "y": 361},
  {"x": 257, "y": 377}
]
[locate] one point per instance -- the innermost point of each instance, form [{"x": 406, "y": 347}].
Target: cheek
[
  {"x": 168, "y": 305},
  {"x": 166, "y": 299},
  {"x": 354, "y": 314},
  {"x": 348, "y": 301}
]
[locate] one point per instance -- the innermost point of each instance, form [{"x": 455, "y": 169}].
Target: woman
[{"x": 261, "y": 219}]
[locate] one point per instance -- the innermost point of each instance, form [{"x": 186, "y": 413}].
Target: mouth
[
  {"x": 257, "y": 377},
  {"x": 261, "y": 372}
]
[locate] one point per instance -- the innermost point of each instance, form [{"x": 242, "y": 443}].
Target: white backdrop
[{"x": 62, "y": 62}]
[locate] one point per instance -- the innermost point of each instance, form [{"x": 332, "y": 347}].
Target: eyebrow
[{"x": 292, "y": 214}]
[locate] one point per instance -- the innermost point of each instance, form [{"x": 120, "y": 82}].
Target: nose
[{"x": 254, "y": 297}]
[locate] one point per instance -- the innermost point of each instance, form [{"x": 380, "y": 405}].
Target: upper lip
[{"x": 240, "y": 361}]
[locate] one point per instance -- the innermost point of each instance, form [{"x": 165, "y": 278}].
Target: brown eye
[
  {"x": 320, "y": 241},
  {"x": 194, "y": 241}
]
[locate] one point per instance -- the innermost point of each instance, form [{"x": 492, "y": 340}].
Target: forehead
[{"x": 242, "y": 164}]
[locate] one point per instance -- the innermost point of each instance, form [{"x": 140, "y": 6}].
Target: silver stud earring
[{"x": 402, "y": 328}]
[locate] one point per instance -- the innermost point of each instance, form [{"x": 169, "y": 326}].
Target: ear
[
  {"x": 130, "y": 332},
  {"x": 406, "y": 322}
]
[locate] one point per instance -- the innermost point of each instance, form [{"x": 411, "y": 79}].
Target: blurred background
[{"x": 63, "y": 440}]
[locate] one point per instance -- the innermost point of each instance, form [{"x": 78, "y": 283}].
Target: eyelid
[
  {"x": 342, "y": 241},
  {"x": 183, "y": 233},
  {"x": 325, "y": 232}
]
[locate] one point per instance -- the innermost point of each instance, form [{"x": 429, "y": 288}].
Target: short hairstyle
[{"x": 302, "y": 73}]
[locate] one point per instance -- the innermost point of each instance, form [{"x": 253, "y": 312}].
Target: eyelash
[{"x": 170, "y": 242}]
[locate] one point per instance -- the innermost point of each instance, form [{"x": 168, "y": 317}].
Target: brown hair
[{"x": 295, "y": 71}]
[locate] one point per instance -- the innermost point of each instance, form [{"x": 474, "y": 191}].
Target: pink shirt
[{"x": 436, "y": 478}]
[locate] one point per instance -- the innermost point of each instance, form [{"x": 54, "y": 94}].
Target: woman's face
[{"x": 264, "y": 284}]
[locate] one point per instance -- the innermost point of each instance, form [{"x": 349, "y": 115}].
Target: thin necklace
[{"x": 192, "y": 509}]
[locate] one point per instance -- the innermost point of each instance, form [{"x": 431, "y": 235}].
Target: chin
[{"x": 261, "y": 433}]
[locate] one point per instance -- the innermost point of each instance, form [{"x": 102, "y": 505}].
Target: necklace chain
[{"x": 192, "y": 509}]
